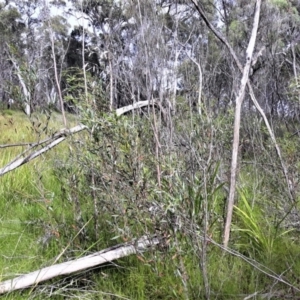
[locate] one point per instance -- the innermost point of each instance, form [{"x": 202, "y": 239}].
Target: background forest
[{"x": 163, "y": 169}]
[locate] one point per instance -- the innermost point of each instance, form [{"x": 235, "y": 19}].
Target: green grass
[
  {"x": 37, "y": 200},
  {"x": 28, "y": 195}
]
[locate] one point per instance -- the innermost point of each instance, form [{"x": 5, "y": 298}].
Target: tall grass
[
  {"x": 28, "y": 196},
  {"x": 47, "y": 211}
]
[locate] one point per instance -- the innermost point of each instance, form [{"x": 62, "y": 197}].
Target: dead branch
[
  {"x": 31, "y": 279},
  {"x": 50, "y": 143},
  {"x": 61, "y": 136},
  {"x": 16, "y": 145},
  {"x": 139, "y": 104}
]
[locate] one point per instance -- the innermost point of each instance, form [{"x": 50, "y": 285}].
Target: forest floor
[{"x": 37, "y": 227}]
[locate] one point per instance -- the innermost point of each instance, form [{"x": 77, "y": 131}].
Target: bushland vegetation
[{"x": 164, "y": 169}]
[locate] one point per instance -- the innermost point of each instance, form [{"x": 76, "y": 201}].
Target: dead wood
[
  {"x": 49, "y": 144},
  {"x": 93, "y": 260}
]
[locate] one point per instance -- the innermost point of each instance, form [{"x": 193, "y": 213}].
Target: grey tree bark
[{"x": 237, "y": 122}]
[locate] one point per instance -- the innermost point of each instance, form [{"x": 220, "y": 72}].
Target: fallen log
[{"x": 31, "y": 279}]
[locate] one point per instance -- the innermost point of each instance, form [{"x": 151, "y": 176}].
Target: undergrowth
[{"x": 48, "y": 216}]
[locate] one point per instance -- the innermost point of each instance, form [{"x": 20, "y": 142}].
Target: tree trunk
[{"x": 237, "y": 121}]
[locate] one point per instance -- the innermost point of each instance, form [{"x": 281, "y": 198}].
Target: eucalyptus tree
[
  {"x": 132, "y": 42},
  {"x": 11, "y": 46},
  {"x": 26, "y": 44}
]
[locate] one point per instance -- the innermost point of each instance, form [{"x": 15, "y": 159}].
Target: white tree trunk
[
  {"x": 27, "y": 97},
  {"x": 237, "y": 121},
  {"x": 251, "y": 93}
]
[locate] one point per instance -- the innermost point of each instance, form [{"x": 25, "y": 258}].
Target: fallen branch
[
  {"x": 51, "y": 142},
  {"x": 61, "y": 136},
  {"x": 140, "y": 245},
  {"x": 139, "y": 104},
  {"x": 16, "y": 145}
]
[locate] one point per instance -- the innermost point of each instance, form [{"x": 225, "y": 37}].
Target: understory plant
[{"x": 256, "y": 233}]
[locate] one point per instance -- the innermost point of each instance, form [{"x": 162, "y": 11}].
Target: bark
[
  {"x": 237, "y": 122},
  {"x": 83, "y": 263}
]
